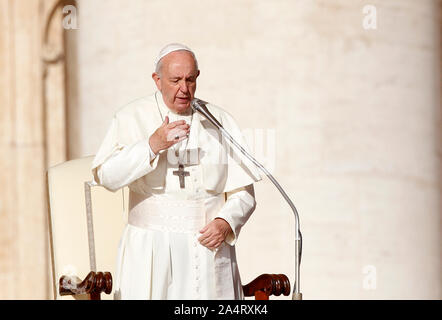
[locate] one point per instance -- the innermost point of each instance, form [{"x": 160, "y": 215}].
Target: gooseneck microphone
[{"x": 200, "y": 106}]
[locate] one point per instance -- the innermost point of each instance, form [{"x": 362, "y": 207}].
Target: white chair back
[{"x": 78, "y": 242}]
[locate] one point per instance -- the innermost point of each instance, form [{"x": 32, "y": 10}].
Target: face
[{"x": 177, "y": 80}]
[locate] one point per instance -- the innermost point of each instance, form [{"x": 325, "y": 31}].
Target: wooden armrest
[
  {"x": 267, "y": 284},
  {"x": 94, "y": 284}
]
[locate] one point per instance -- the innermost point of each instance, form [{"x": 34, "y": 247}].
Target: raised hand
[{"x": 165, "y": 136}]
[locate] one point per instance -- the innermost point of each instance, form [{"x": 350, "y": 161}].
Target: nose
[{"x": 184, "y": 87}]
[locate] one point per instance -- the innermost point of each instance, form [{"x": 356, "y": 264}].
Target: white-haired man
[{"x": 190, "y": 192}]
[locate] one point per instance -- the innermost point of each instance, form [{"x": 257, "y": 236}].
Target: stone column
[{"x": 32, "y": 137}]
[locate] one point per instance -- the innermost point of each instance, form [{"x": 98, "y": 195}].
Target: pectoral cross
[{"x": 181, "y": 174}]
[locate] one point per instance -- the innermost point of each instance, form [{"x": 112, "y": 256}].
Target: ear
[
  {"x": 156, "y": 79},
  {"x": 198, "y": 74}
]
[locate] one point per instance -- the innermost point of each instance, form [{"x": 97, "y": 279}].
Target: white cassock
[{"x": 159, "y": 256}]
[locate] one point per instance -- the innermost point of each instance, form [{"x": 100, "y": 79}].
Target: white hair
[{"x": 171, "y": 47}]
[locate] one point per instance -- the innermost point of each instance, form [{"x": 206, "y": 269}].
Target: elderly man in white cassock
[{"x": 190, "y": 192}]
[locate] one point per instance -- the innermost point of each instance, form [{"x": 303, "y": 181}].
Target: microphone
[{"x": 199, "y": 105}]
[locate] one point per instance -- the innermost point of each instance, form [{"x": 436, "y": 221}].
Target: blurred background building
[{"x": 347, "y": 95}]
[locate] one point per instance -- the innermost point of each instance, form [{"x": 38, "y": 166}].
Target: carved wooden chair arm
[
  {"x": 94, "y": 284},
  {"x": 267, "y": 284}
]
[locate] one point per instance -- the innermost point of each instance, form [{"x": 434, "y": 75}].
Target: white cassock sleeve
[
  {"x": 117, "y": 165},
  {"x": 237, "y": 209},
  {"x": 126, "y": 165}
]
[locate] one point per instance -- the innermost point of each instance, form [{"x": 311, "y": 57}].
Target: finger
[
  {"x": 181, "y": 139},
  {"x": 175, "y": 141},
  {"x": 204, "y": 236},
  {"x": 175, "y": 123},
  {"x": 181, "y": 132},
  {"x": 212, "y": 245},
  {"x": 212, "y": 241},
  {"x": 166, "y": 121},
  {"x": 204, "y": 242},
  {"x": 177, "y": 130},
  {"x": 204, "y": 229},
  {"x": 174, "y": 133},
  {"x": 183, "y": 126}
]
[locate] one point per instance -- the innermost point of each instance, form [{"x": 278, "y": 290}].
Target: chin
[{"x": 182, "y": 107}]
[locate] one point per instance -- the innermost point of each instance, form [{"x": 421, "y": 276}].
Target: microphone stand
[{"x": 200, "y": 106}]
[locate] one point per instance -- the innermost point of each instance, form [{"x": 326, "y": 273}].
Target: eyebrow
[{"x": 177, "y": 78}]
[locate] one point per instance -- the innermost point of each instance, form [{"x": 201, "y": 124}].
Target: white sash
[{"x": 183, "y": 216}]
